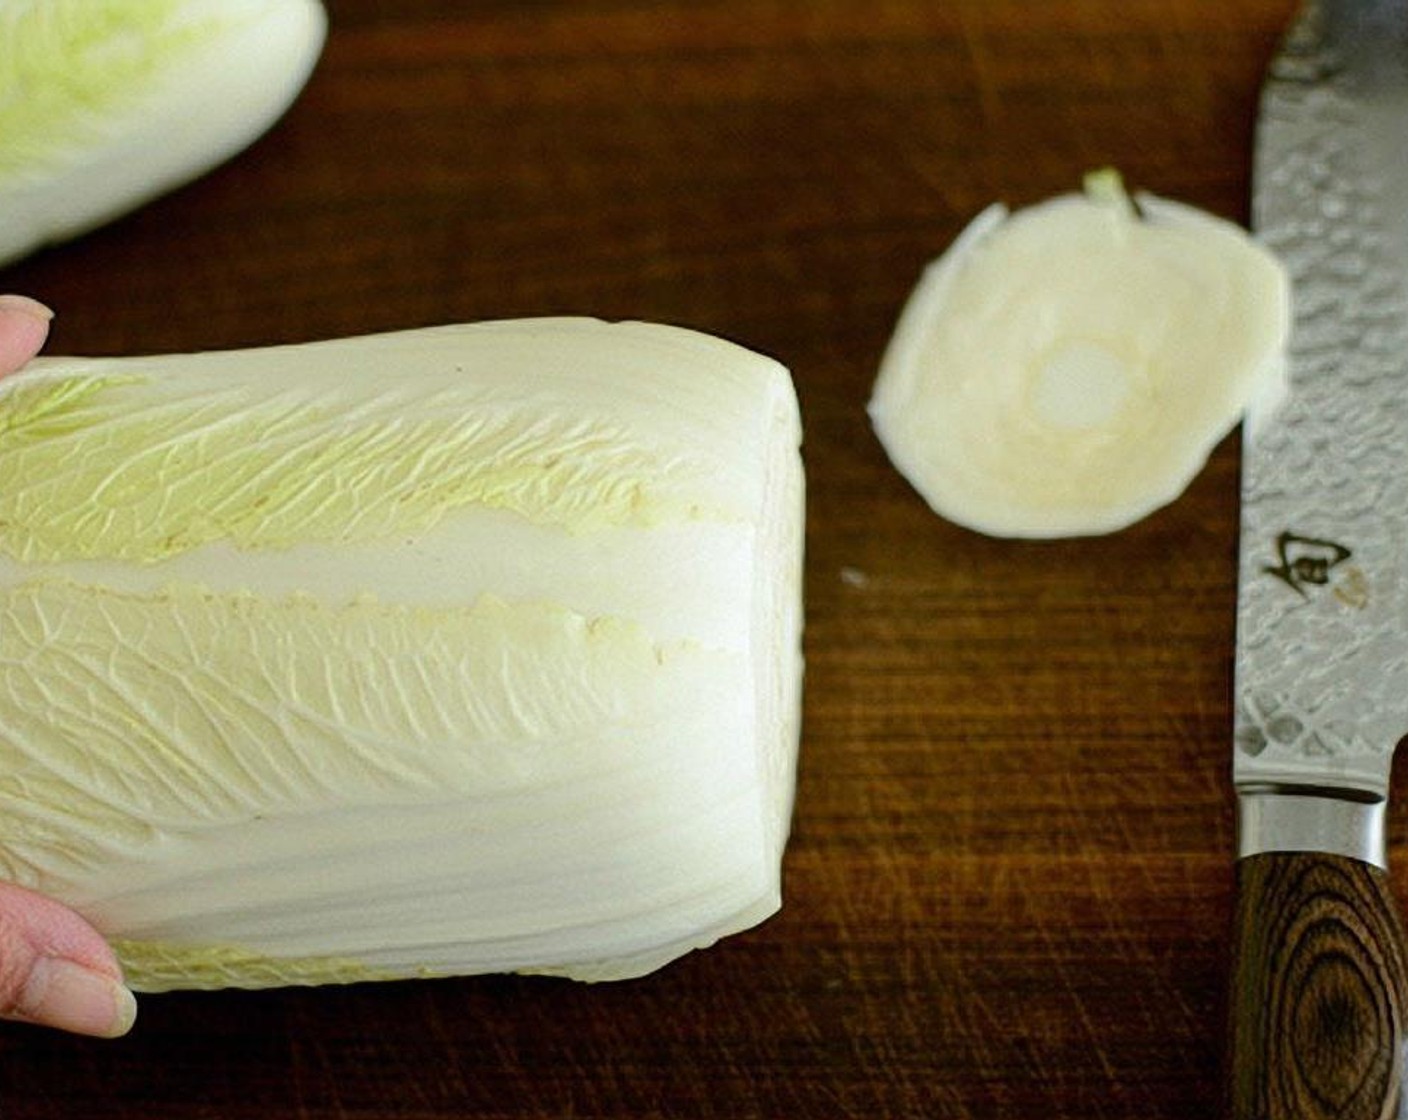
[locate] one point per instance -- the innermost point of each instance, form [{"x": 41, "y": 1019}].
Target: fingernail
[
  {"x": 65, "y": 995},
  {"x": 23, "y": 305}
]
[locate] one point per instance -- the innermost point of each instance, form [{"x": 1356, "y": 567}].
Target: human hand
[{"x": 55, "y": 969}]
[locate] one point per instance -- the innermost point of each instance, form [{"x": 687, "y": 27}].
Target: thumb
[{"x": 56, "y": 970}]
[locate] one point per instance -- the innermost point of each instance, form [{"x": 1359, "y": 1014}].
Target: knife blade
[{"x": 1319, "y": 984}]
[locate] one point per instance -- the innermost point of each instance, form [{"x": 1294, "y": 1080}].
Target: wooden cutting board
[{"x": 1008, "y": 889}]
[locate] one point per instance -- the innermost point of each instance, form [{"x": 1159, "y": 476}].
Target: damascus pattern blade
[{"x": 1322, "y": 653}]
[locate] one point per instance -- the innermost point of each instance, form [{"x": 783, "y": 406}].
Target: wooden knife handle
[{"x": 1318, "y": 990}]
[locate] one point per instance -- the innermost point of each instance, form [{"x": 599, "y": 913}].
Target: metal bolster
[{"x": 1286, "y": 818}]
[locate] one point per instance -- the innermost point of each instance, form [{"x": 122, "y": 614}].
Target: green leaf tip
[
  {"x": 48, "y": 409},
  {"x": 70, "y": 69},
  {"x": 114, "y": 467}
]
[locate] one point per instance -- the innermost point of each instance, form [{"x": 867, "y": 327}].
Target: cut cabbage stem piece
[
  {"x": 106, "y": 104},
  {"x": 467, "y": 649},
  {"x": 1066, "y": 370}
]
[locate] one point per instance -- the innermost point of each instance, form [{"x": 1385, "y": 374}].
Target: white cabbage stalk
[
  {"x": 461, "y": 650},
  {"x": 105, "y": 104},
  {"x": 1066, "y": 370}
]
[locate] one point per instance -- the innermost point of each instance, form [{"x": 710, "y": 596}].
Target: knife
[{"x": 1319, "y": 985}]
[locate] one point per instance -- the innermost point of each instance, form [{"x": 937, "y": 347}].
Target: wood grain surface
[{"x": 1008, "y": 892}]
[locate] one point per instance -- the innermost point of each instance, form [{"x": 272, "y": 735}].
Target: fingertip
[
  {"x": 57, "y": 971},
  {"x": 25, "y": 305},
  {"x": 24, "y": 326},
  {"x": 68, "y": 996},
  {"x": 125, "y": 1014}
]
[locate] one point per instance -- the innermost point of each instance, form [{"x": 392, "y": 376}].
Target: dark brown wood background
[{"x": 1008, "y": 890}]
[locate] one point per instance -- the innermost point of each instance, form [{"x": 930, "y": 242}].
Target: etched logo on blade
[{"x": 1306, "y": 563}]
